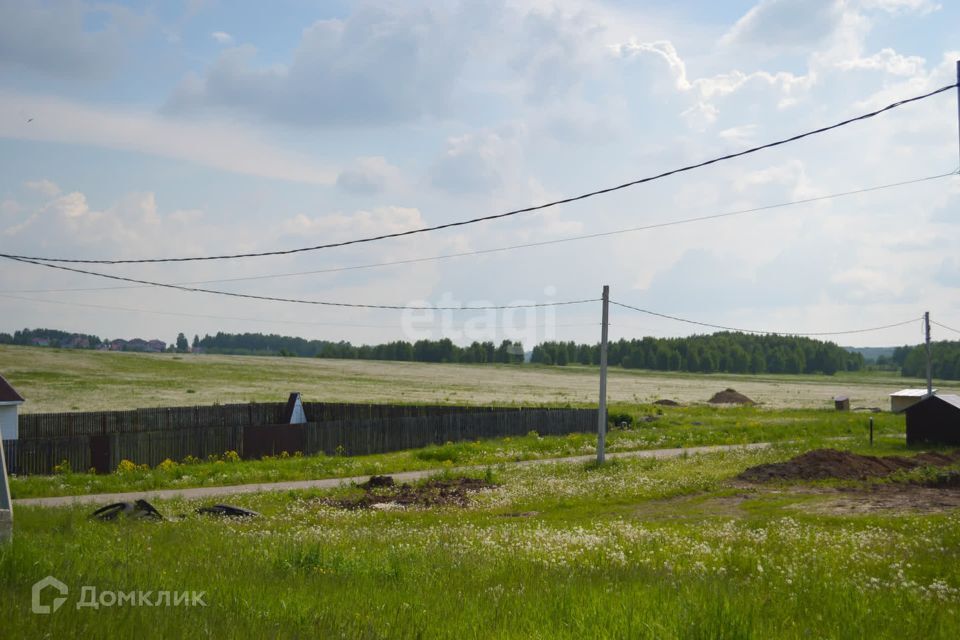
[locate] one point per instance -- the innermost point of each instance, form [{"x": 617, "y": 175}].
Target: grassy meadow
[
  {"x": 76, "y": 380},
  {"x": 637, "y": 548}
]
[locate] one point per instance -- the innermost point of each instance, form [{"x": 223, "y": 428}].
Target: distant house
[
  {"x": 136, "y": 344},
  {"x": 40, "y": 342},
  {"x": 904, "y": 398},
  {"x": 934, "y": 419},
  {"x": 76, "y": 342},
  {"x": 118, "y": 345},
  {"x": 10, "y": 402},
  {"x": 156, "y": 346}
]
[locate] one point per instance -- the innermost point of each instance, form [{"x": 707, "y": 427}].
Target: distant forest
[
  {"x": 720, "y": 352},
  {"x": 912, "y": 361},
  {"x": 420, "y": 351},
  {"x": 51, "y": 338},
  {"x": 723, "y": 352}
]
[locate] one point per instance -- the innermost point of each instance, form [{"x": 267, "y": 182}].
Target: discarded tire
[
  {"x": 136, "y": 509},
  {"x": 227, "y": 511}
]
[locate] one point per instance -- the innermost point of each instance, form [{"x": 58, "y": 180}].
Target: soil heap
[
  {"x": 825, "y": 464},
  {"x": 730, "y": 396}
]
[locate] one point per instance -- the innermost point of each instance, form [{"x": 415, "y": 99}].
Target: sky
[{"x": 175, "y": 129}]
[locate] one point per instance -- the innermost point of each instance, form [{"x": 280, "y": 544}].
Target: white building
[
  {"x": 905, "y": 398},
  {"x": 10, "y": 402}
]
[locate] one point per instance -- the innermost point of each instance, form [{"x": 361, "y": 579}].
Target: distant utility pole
[
  {"x": 958, "y": 101},
  {"x": 602, "y": 411},
  {"x": 926, "y": 332}
]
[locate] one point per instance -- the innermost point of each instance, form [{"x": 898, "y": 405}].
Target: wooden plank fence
[{"x": 153, "y": 435}]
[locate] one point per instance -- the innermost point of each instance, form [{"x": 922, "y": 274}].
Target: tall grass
[{"x": 560, "y": 550}]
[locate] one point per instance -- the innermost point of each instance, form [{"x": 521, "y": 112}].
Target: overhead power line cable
[
  {"x": 325, "y": 303},
  {"x": 943, "y": 326},
  {"x": 757, "y": 331},
  {"x": 349, "y": 325},
  {"x": 506, "y": 214},
  {"x": 527, "y": 245}
]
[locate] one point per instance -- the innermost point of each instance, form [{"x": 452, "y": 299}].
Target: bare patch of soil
[
  {"x": 896, "y": 497},
  {"x": 381, "y": 492},
  {"x": 730, "y": 396},
  {"x": 667, "y": 402},
  {"x": 693, "y": 507},
  {"x": 825, "y": 464}
]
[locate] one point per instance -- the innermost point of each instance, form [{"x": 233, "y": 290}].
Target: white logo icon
[{"x": 39, "y": 586}]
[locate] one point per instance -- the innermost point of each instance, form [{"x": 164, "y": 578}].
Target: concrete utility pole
[
  {"x": 926, "y": 332},
  {"x": 602, "y": 410}
]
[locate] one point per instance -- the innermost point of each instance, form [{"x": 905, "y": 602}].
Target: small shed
[
  {"x": 10, "y": 402},
  {"x": 293, "y": 413},
  {"x": 934, "y": 419},
  {"x": 841, "y": 403},
  {"x": 904, "y": 398}
]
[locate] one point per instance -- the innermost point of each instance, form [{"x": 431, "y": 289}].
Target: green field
[
  {"x": 75, "y": 380},
  {"x": 639, "y": 548},
  {"x": 672, "y": 548}
]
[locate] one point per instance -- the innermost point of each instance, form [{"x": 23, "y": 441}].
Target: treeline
[
  {"x": 944, "y": 360},
  {"x": 51, "y": 338},
  {"x": 720, "y": 352},
  {"x": 724, "y": 352},
  {"x": 443, "y": 350}
]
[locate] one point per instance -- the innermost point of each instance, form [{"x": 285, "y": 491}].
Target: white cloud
[
  {"x": 222, "y": 37},
  {"x": 782, "y": 24},
  {"x": 700, "y": 116},
  {"x": 921, "y": 7},
  {"x": 339, "y": 226},
  {"x": 43, "y": 187},
  {"x": 381, "y": 64},
  {"x": 369, "y": 176},
  {"x": 51, "y": 38},
  {"x": 219, "y": 145},
  {"x": 888, "y": 61},
  {"x": 741, "y": 135},
  {"x": 478, "y": 162},
  {"x": 705, "y": 91}
]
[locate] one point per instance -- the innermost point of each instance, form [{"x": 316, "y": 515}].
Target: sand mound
[
  {"x": 730, "y": 396},
  {"x": 823, "y": 464}
]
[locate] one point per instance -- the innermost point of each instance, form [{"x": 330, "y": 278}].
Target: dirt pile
[
  {"x": 667, "y": 403},
  {"x": 383, "y": 492},
  {"x": 730, "y": 396},
  {"x": 824, "y": 464}
]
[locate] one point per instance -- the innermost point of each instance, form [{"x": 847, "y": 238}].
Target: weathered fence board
[{"x": 149, "y": 436}]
